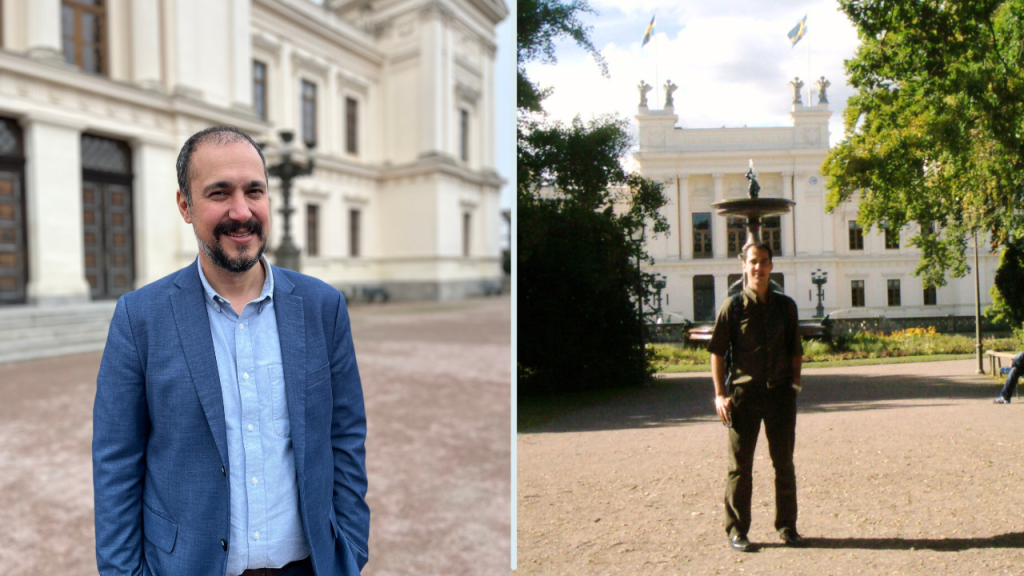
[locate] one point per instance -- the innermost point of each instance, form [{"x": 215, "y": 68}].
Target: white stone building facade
[
  {"x": 870, "y": 274},
  {"x": 393, "y": 99}
]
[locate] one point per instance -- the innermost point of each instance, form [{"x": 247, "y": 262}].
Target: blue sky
[{"x": 731, "y": 60}]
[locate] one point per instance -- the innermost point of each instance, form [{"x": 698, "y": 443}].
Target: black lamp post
[
  {"x": 659, "y": 285},
  {"x": 287, "y": 254},
  {"x": 637, "y": 235},
  {"x": 819, "y": 279}
]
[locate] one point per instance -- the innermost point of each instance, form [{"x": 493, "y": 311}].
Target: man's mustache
[{"x": 232, "y": 227}]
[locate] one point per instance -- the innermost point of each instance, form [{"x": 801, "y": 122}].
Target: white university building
[
  {"x": 870, "y": 273},
  {"x": 393, "y": 99}
]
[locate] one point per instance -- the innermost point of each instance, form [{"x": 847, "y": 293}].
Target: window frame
[
  {"x": 702, "y": 237},
  {"x": 351, "y": 125},
  {"x": 857, "y": 289},
  {"x": 464, "y": 134},
  {"x": 355, "y": 218},
  {"x": 259, "y": 85},
  {"x": 79, "y": 9},
  {"x": 312, "y": 230},
  {"x": 856, "y": 237},
  {"x": 892, "y": 287}
]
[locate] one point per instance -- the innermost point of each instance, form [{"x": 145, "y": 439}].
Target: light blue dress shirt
[{"x": 266, "y": 529}]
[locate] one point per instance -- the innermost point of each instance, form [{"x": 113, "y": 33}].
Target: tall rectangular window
[
  {"x": 892, "y": 238},
  {"x": 702, "y": 235},
  {"x": 351, "y": 125},
  {"x": 771, "y": 234},
  {"x": 465, "y": 234},
  {"x": 312, "y": 230},
  {"x": 703, "y": 298},
  {"x": 353, "y": 233},
  {"x": 464, "y": 134},
  {"x": 737, "y": 235},
  {"x": 930, "y": 296},
  {"x": 259, "y": 88},
  {"x": 857, "y": 293},
  {"x": 856, "y": 236},
  {"x": 309, "y": 114},
  {"x": 84, "y": 34},
  {"x": 893, "y": 289}
]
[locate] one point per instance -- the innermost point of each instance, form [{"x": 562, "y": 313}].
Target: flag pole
[
  {"x": 809, "y": 79},
  {"x": 657, "y": 81}
]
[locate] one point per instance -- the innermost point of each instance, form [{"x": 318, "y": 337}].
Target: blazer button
[
  {"x": 224, "y": 545},
  {"x": 223, "y": 472}
]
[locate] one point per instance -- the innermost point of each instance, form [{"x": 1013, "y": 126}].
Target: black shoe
[
  {"x": 794, "y": 539},
  {"x": 740, "y": 544},
  {"x": 1000, "y": 400}
]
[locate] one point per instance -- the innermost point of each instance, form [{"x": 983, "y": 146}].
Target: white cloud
[{"x": 732, "y": 61}]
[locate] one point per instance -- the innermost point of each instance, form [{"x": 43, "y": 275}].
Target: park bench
[{"x": 995, "y": 363}]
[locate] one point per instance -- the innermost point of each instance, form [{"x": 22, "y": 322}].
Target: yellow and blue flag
[
  {"x": 650, "y": 31},
  {"x": 798, "y": 31}
]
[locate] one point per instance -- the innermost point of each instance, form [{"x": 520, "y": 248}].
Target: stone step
[{"x": 28, "y": 332}]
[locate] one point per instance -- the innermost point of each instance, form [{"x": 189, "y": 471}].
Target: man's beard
[{"x": 216, "y": 254}]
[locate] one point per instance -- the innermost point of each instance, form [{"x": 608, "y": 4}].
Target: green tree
[
  {"x": 1008, "y": 290},
  {"x": 936, "y": 126},
  {"x": 578, "y": 282}
]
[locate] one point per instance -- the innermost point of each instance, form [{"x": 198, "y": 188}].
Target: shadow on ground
[
  {"x": 1012, "y": 540},
  {"x": 687, "y": 398}
]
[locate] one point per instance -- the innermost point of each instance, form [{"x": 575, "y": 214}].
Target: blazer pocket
[
  {"x": 159, "y": 530},
  {"x": 282, "y": 424}
]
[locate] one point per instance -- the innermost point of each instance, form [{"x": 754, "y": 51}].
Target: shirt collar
[
  {"x": 751, "y": 296},
  {"x": 267, "y": 295}
]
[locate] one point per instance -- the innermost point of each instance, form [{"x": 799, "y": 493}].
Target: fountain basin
[{"x": 753, "y": 207}]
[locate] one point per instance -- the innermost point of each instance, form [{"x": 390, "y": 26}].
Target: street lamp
[
  {"x": 637, "y": 235},
  {"x": 819, "y": 279},
  {"x": 287, "y": 254},
  {"x": 659, "y": 285}
]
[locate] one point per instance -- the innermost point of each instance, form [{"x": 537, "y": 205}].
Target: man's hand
[{"x": 723, "y": 404}]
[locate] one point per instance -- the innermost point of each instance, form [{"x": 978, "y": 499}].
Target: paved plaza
[
  {"x": 436, "y": 378},
  {"x": 901, "y": 469}
]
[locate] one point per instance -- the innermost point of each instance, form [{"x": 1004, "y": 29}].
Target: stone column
[
  {"x": 241, "y": 55},
  {"x": 719, "y": 224},
  {"x": 145, "y": 32},
  {"x": 53, "y": 177},
  {"x": 828, "y": 227},
  {"x": 334, "y": 137},
  {"x": 788, "y": 220},
  {"x": 289, "y": 90},
  {"x": 43, "y": 32},
  {"x": 685, "y": 218},
  {"x": 804, "y": 212},
  {"x": 431, "y": 91},
  {"x": 155, "y": 212}
]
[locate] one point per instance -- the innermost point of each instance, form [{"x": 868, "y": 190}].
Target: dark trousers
[
  {"x": 1012, "y": 376},
  {"x": 777, "y": 408}
]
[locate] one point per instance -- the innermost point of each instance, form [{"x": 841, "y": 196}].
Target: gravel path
[
  {"x": 901, "y": 469},
  {"x": 436, "y": 380}
]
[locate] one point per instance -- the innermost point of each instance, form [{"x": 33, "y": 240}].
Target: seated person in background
[{"x": 1011, "y": 379}]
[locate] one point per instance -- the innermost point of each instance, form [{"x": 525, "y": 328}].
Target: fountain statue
[
  {"x": 753, "y": 208},
  {"x": 644, "y": 88}
]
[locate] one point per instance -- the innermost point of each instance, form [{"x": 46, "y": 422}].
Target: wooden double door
[
  {"x": 108, "y": 239},
  {"x": 13, "y": 253}
]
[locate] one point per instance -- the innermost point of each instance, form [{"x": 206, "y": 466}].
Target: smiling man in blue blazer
[{"x": 228, "y": 428}]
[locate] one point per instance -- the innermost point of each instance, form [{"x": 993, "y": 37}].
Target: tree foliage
[
  {"x": 578, "y": 208},
  {"x": 1008, "y": 290},
  {"x": 936, "y": 126}
]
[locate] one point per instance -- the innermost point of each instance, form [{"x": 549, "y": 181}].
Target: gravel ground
[
  {"x": 436, "y": 380},
  {"x": 901, "y": 469}
]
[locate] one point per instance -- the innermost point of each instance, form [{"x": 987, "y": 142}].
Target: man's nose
[{"x": 239, "y": 209}]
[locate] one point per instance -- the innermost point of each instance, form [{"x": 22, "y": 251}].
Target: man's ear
[{"x": 183, "y": 207}]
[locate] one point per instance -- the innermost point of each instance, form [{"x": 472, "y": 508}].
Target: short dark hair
[
  {"x": 759, "y": 246},
  {"x": 213, "y": 135}
]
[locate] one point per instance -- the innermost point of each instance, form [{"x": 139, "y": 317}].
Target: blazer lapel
[
  {"x": 291, "y": 329},
  {"x": 194, "y": 332}
]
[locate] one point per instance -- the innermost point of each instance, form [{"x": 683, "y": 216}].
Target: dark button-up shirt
[{"x": 767, "y": 337}]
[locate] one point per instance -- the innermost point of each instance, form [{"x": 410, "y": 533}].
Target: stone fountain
[{"x": 753, "y": 209}]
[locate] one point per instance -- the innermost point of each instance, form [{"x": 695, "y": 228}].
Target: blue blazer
[{"x": 160, "y": 459}]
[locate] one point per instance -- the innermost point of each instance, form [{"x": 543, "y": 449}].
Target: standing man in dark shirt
[{"x": 758, "y": 329}]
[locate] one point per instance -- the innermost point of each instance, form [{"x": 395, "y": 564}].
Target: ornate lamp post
[
  {"x": 637, "y": 235},
  {"x": 287, "y": 254},
  {"x": 659, "y": 285},
  {"x": 819, "y": 279}
]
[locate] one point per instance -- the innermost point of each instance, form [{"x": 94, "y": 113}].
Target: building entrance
[
  {"x": 13, "y": 252},
  {"x": 107, "y": 217}
]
